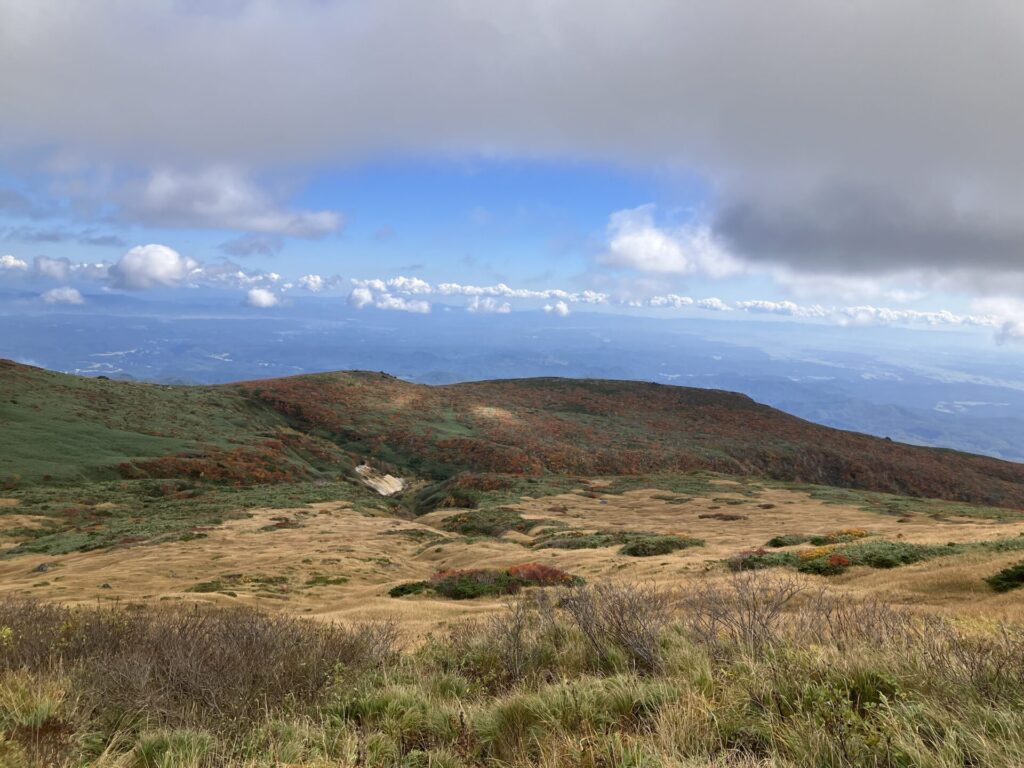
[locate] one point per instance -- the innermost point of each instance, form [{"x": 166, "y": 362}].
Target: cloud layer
[{"x": 835, "y": 137}]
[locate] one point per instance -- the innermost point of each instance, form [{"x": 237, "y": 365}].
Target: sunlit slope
[{"x": 320, "y": 425}]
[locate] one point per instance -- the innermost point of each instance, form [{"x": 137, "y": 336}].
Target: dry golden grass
[{"x": 333, "y": 541}]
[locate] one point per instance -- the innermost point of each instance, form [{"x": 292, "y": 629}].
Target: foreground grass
[{"x": 751, "y": 670}]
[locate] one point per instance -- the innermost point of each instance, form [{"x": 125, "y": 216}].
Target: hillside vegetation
[{"x": 61, "y": 428}]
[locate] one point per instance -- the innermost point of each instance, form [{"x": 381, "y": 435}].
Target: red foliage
[
  {"x": 540, "y": 574},
  {"x": 265, "y": 463}
]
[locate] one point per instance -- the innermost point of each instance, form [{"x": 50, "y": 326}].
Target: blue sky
[{"x": 669, "y": 160}]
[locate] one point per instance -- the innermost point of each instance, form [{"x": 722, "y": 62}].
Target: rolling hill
[{"x": 61, "y": 428}]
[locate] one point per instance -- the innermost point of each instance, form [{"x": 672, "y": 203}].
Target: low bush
[
  {"x": 892, "y": 554},
  {"x": 828, "y": 565},
  {"x": 1007, "y": 579},
  {"x": 490, "y": 522},
  {"x": 787, "y": 540},
  {"x": 756, "y": 559},
  {"x": 409, "y": 588},
  {"x": 649, "y": 546},
  {"x": 842, "y": 536},
  {"x": 198, "y": 664},
  {"x": 632, "y": 543},
  {"x": 471, "y": 583},
  {"x": 832, "y": 559}
]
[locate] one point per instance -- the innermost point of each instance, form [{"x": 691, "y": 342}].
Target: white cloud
[
  {"x": 360, "y": 297},
  {"x": 64, "y": 295},
  {"x": 261, "y": 298},
  {"x": 58, "y": 270},
  {"x": 714, "y": 304},
  {"x": 635, "y": 242},
  {"x": 150, "y": 266},
  {"x": 312, "y": 283},
  {"x": 559, "y": 308},
  {"x": 363, "y": 296},
  {"x": 672, "y": 300},
  {"x": 869, "y": 315},
  {"x": 10, "y": 262},
  {"x": 488, "y": 305},
  {"x": 387, "y": 301},
  {"x": 373, "y": 285},
  {"x": 412, "y": 285},
  {"x": 788, "y": 308},
  {"x": 221, "y": 198}
]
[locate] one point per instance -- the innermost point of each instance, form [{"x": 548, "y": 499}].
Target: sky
[{"x": 842, "y": 163}]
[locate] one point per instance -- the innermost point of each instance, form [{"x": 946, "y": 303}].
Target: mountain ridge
[{"x": 60, "y": 427}]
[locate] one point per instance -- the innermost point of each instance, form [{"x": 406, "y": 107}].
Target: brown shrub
[
  {"x": 190, "y": 665},
  {"x": 540, "y": 574},
  {"x": 624, "y": 618}
]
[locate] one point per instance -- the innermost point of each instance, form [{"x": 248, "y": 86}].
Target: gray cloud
[
  {"x": 16, "y": 204},
  {"x": 835, "y": 136},
  {"x": 870, "y": 231},
  {"x": 253, "y": 245},
  {"x": 63, "y": 235},
  {"x": 218, "y": 197}
]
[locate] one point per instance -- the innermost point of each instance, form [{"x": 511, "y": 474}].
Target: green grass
[{"x": 72, "y": 429}]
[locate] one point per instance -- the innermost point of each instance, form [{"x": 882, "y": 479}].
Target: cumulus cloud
[
  {"x": 635, "y": 242},
  {"x": 363, "y": 296},
  {"x": 63, "y": 295},
  {"x": 221, "y": 197},
  {"x": 673, "y": 300},
  {"x": 312, "y": 283},
  {"x": 360, "y": 297},
  {"x": 488, "y": 305},
  {"x": 787, "y": 308},
  {"x": 714, "y": 304},
  {"x": 261, "y": 298},
  {"x": 9, "y": 262},
  {"x": 559, "y": 308},
  {"x": 150, "y": 266},
  {"x": 387, "y": 301}
]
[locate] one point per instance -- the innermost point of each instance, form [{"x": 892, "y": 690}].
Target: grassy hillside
[{"x": 316, "y": 427}]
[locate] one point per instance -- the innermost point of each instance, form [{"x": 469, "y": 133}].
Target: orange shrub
[{"x": 540, "y": 574}]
